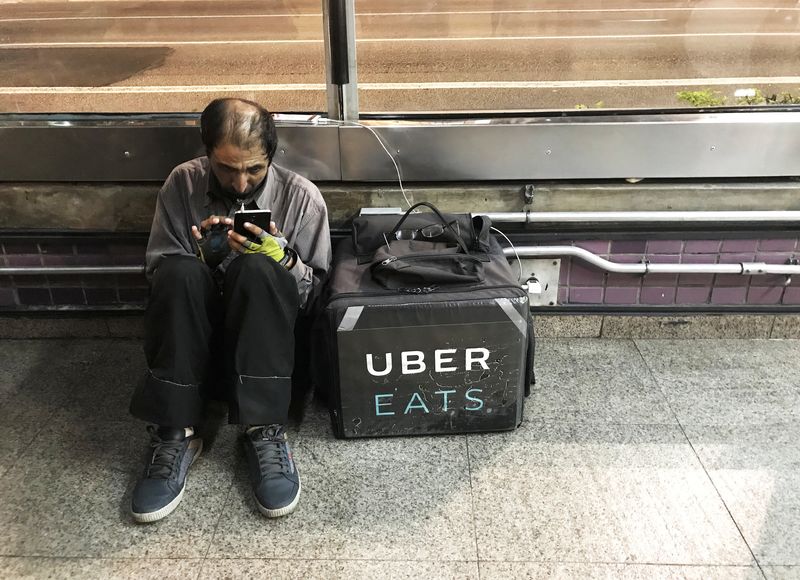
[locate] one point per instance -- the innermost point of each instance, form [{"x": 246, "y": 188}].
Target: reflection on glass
[
  {"x": 160, "y": 56},
  {"x": 420, "y": 55}
]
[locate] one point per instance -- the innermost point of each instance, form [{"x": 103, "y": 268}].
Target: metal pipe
[
  {"x": 543, "y": 217},
  {"x": 67, "y": 270},
  {"x": 745, "y": 268}
]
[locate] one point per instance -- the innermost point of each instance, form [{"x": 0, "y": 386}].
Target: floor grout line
[
  {"x": 472, "y": 506},
  {"x": 699, "y": 459},
  {"x": 205, "y": 558},
  {"x": 31, "y": 440}
]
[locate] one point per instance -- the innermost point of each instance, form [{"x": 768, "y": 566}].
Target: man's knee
[
  {"x": 258, "y": 270},
  {"x": 250, "y": 266},
  {"x": 179, "y": 277},
  {"x": 180, "y": 269}
]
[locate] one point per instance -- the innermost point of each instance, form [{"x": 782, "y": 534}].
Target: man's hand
[
  {"x": 271, "y": 244},
  {"x": 211, "y": 239},
  {"x": 207, "y": 224}
]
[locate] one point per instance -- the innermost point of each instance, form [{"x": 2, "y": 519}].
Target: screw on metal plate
[{"x": 527, "y": 193}]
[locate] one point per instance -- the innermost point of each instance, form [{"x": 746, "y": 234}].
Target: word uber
[{"x": 413, "y": 362}]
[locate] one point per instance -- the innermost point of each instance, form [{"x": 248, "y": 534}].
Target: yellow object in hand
[{"x": 268, "y": 245}]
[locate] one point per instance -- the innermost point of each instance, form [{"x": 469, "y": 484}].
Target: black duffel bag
[
  {"x": 373, "y": 231},
  {"x": 421, "y": 252}
]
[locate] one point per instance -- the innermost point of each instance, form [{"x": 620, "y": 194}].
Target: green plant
[
  {"x": 784, "y": 99},
  {"x": 756, "y": 99},
  {"x": 704, "y": 98}
]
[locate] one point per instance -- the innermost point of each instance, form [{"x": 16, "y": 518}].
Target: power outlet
[{"x": 541, "y": 276}]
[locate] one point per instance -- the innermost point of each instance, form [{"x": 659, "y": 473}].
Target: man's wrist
[{"x": 289, "y": 258}]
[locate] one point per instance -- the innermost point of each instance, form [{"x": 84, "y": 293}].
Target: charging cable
[
  {"x": 400, "y": 181},
  {"x": 386, "y": 149}
]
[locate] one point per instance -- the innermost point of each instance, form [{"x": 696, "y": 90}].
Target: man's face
[{"x": 238, "y": 170}]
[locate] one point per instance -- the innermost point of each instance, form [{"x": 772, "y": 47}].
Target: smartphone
[{"x": 258, "y": 217}]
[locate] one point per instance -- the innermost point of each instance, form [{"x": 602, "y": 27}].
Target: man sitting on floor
[{"x": 221, "y": 314}]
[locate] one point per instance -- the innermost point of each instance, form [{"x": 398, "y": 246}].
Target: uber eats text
[{"x": 412, "y": 362}]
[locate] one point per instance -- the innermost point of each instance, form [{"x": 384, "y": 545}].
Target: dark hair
[{"x": 238, "y": 122}]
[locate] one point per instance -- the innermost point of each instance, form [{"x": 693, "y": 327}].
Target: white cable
[
  {"x": 380, "y": 141},
  {"x": 403, "y": 191},
  {"x": 519, "y": 276}
]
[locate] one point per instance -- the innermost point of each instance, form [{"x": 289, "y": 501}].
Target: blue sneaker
[
  {"x": 161, "y": 488},
  {"x": 276, "y": 482}
]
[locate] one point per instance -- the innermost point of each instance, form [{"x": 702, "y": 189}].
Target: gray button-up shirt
[{"x": 298, "y": 209}]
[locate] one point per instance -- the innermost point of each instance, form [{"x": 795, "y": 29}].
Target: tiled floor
[{"x": 637, "y": 459}]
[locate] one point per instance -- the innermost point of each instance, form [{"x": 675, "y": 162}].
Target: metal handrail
[
  {"x": 67, "y": 270},
  {"x": 645, "y": 267},
  {"x": 546, "y": 217}
]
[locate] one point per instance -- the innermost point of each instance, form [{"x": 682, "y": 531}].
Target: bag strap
[{"x": 445, "y": 223}]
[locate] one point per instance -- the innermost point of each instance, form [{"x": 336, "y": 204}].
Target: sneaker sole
[
  {"x": 149, "y": 517},
  {"x": 284, "y": 511}
]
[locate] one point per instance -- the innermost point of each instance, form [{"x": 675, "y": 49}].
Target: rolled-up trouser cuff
[
  {"x": 164, "y": 402},
  {"x": 260, "y": 400}
]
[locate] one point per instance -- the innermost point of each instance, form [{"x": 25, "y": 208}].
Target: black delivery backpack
[{"x": 424, "y": 329}]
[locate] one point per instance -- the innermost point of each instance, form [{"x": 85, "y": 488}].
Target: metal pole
[{"x": 339, "y": 24}]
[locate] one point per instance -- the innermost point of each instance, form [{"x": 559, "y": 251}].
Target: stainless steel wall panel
[
  {"x": 685, "y": 145},
  {"x": 311, "y": 151},
  {"x": 679, "y": 146},
  {"x": 111, "y": 152}
]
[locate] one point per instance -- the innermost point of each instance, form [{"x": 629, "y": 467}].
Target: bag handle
[{"x": 445, "y": 223}]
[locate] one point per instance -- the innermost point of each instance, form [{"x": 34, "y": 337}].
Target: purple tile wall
[
  {"x": 580, "y": 283},
  {"x": 58, "y": 291}
]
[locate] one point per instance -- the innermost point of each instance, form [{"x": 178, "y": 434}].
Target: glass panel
[
  {"x": 160, "y": 56},
  {"x": 460, "y": 55}
]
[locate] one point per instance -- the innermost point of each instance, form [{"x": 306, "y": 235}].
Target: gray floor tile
[
  {"x": 59, "y": 327},
  {"x": 107, "y": 373},
  {"x": 95, "y": 376},
  {"x": 786, "y": 326},
  {"x": 38, "y": 371},
  {"x": 68, "y": 495},
  {"x": 555, "y": 326},
  {"x": 14, "y": 438},
  {"x": 767, "y": 508},
  {"x": 504, "y": 570},
  {"x": 35, "y": 381},
  {"x": 131, "y": 326},
  {"x": 757, "y": 472},
  {"x": 728, "y": 382},
  {"x": 26, "y": 568},
  {"x": 362, "y": 499},
  {"x": 745, "y": 326},
  {"x": 602, "y": 381},
  {"x": 747, "y": 447},
  {"x": 598, "y": 493},
  {"x": 337, "y": 569},
  {"x": 781, "y": 572}
]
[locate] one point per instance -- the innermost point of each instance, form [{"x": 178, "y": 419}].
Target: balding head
[{"x": 238, "y": 122}]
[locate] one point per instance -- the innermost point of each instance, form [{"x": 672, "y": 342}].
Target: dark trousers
[{"x": 203, "y": 341}]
